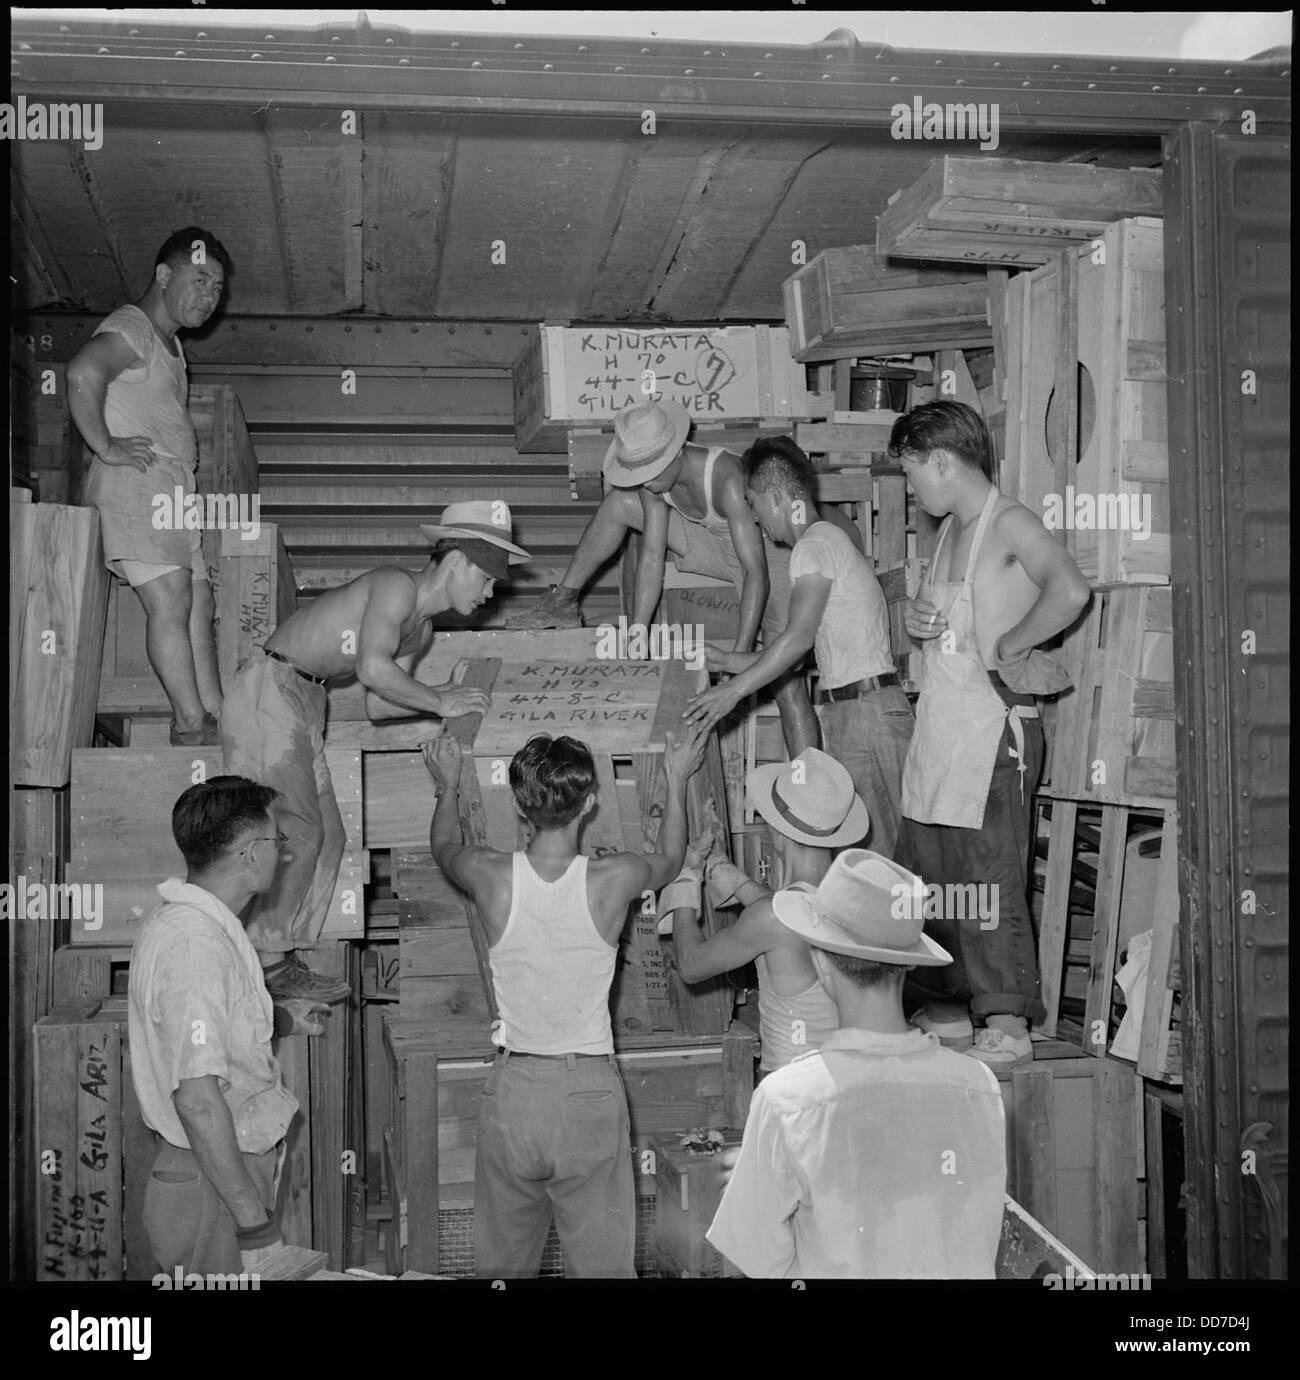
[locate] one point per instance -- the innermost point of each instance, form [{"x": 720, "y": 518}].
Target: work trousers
[
  {"x": 185, "y": 1220},
  {"x": 994, "y": 969},
  {"x": 869, "y": 737},
  {"x": 273, "y": 732},
  {"x": 554, "y": 1138}
]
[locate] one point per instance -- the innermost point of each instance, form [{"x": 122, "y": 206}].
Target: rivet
[
  {"x": 331, "y": 58},
  {"x": 690, "y": 72},
  {"x": 202, "y": 33},
  {"x": 102, "y": 51},
  {"x": 268, "y": 38},
  {"x": 758, "y": 74},
  {"x": 618, "y": 69},
  {"x": 826, "y": 76},
  {"x": 582, "y": 47},
  {"x": 455, "y": 43},
  {"x": 645, "y": 52},
  {"x": 1026, "y": 83},
  {"x": 403, "y": 62},
  {"x": 254, "y": 56},
  {"x": 518, "y": 46},
  {"x": 1157, "y": 88},
  {"x": 476, "y": 64},
  {"x": 390, "y": 40},
  {"x": 1092, "y": 86}
]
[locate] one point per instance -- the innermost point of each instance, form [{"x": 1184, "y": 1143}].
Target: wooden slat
[
  {"x": 1105, "y": 929},
  {"x": 1154, "y": 1054},
  {"x": 1034, "y": 1150},
  {"x": 138, "y": 1143},
  {"x": 330, "y": 1115},
  {"x": 1114, "y": 1113},
  {"x": 56, "y": 1134},
  {"x": 419, "y": 1110},
  {"x": 99, "y": 1146},
  {"x": 294, "y": 1203},
  {"x": 1056, "y": 906}
]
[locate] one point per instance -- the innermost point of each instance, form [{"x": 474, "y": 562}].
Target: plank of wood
[
  {"x": 291, "y": 1263},
  {"x": 59, "y": 600},
  {"x": 99, "y": 1141},
  {"x": 294, "y": 1200},
  {"x": 1157, "y": 1012},
  {"x": 419, "y": 1109},
  {"x": 739, "y": 1052},
  {"x": 1105, "y": 928},
  {"x": 138, "y": 1144},
  {"x": 330, "y": 1115},
  {"x": 1114, "y": 1112},
  {"x": 1033, "y": 1158},
  {"x": 56, "y": 1134},
  {"x": 1056, "y": 906},
  {"x": 437, "y": 953}
]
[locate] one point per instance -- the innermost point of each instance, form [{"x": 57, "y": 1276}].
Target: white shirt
[
  {"x": 876, "y": 1157},
  {"x": 197, "y": 1004},
  {"x": 853, "y": 637}
]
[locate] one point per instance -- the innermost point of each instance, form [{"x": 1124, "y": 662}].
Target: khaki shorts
[{"x": 698, "y": 551}]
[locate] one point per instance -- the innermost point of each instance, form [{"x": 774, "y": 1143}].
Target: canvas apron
[{"x": 960, "y": 717}]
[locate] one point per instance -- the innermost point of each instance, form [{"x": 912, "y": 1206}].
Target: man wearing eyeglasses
[{"x": 201, "y": 1025}]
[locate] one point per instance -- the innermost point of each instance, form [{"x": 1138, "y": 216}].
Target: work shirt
[
  {"x": 551, "y": 969},
  {"x": 853, "y": 637},
  {"x": 876, "y": 1157},
  {"x": 198, "y": 1005},
  {"x": 148, "y": 399}
]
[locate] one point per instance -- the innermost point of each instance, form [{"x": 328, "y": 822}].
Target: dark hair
[
  {"x": 863, "y": 972},
  {"x": 950, "y": 426},
  {"x": 550, "y": 778},
  {"x": 776, "y": 462},
  {"x": 209, "y": 817},
  {"x": 180, "y": 245}
]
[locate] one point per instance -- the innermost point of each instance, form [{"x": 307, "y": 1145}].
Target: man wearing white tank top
[{"x": 554, "y": 1136}]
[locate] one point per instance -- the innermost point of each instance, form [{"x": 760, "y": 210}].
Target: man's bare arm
[
  {"x": 1063, "y": 590},
  {"x": 699, "y": 958},
  {"x": 654, "y": 554},
  {"x": 391, "y": 601},
  {"x": 99, "y": 361},
  {"x": 210, "y": 1129},
  {"x": 747, "y": 538},
  {"x": 378, "y": 708}
]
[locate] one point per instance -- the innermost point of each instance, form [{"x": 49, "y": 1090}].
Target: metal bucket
[{"x": 874, "y": 387}]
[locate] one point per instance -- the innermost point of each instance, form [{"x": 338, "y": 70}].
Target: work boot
[
  {"x": 293, "y": 978},
  {"x": 179, "y": 737},
  {"x": 1000, "y": 1049},
  {"x": 559, "y": 607},
  {"x": 211, "y": 731}
]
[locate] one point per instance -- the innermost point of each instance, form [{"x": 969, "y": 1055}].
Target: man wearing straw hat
[
  {"x": 882, "y": 1155},
  {"x": 273, "y": 720},
  {"x": 690, "y": 500},
  {"x": 809, "y": 808}
]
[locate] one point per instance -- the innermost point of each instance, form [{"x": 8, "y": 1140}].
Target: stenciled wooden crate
[
  {"x": 93, "y": 1151},
  {"x": 1011, "y": 211},
  {"x": 688, "y": 1189},
  {"x": 584, "y": 376},
  {"x": 255, "y": 594},
  {"x": 58, "y": 595},
  {"x": 1112, "y": 734},
  {"x": 121, "y": 805},
  {"x": 853, "y": 301}
]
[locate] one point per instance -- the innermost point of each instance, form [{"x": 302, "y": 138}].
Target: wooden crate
[
  {"x": 255, "y": 594},
  {"x": 121, "y": 804},
  {"x": 1073, "y": 1153},
  {"x": 1112, "y": 734},
  {"x": 585, "y": 376},
  {"x": 1099, "y": 890},
  {"x": 430, "y": 1147},
  {"x": 1102, "y": 317},
  {"x": 58, "y": 597},
  {"x": 1121, "y": 323},
  {"x": 688, "y": 1190},
  {"x": 95, "y": 1151},
  {"x": 852, "y": 301},
  {"x": 227, "y": 463},
  {"x": 1011, "y": 211}
]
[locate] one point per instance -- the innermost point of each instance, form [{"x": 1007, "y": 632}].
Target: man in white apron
[
  {"x": 127, "y": 392},
  {"x": 689, "y": 500},
  {"x": 997, "y": 587}
]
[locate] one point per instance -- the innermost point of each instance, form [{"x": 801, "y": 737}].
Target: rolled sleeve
[
  {"x": 752, "y": 1225},
  {"x": 192, "y": 1008}
]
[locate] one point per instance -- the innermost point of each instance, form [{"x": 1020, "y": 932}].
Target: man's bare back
[{"x": 325, "y": 637}]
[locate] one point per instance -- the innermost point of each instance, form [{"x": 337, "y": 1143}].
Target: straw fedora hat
[
  {"x": 647, "y": 437},
  {"x": 483, "y": 519},
  {"x": 810, "y": 799},
  {"x": 856, "y": 911}
]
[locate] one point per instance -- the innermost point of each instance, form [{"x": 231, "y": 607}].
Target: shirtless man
[
  {"x": 273, "y": 721},
  {"x": 809, "y": 809},
  {"x": 127, "y": 390},
  {"x": 690, "y": 500},
  {"x": 997, "y": 587}
]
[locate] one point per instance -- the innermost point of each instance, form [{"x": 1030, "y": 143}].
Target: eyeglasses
[{"x": 278, "y": 839}]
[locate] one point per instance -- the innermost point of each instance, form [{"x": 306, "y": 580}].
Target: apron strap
[
  {"x": 985, "y": 513},
  {"x": 1015, "y": 713}
]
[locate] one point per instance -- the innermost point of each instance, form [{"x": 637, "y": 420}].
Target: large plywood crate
[
  {"x": 1011, "y": 211},
  {"x": 853, "y": 301},
  {"x": 58, "y": 597},
  {"x": 121, "y": 805}
]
